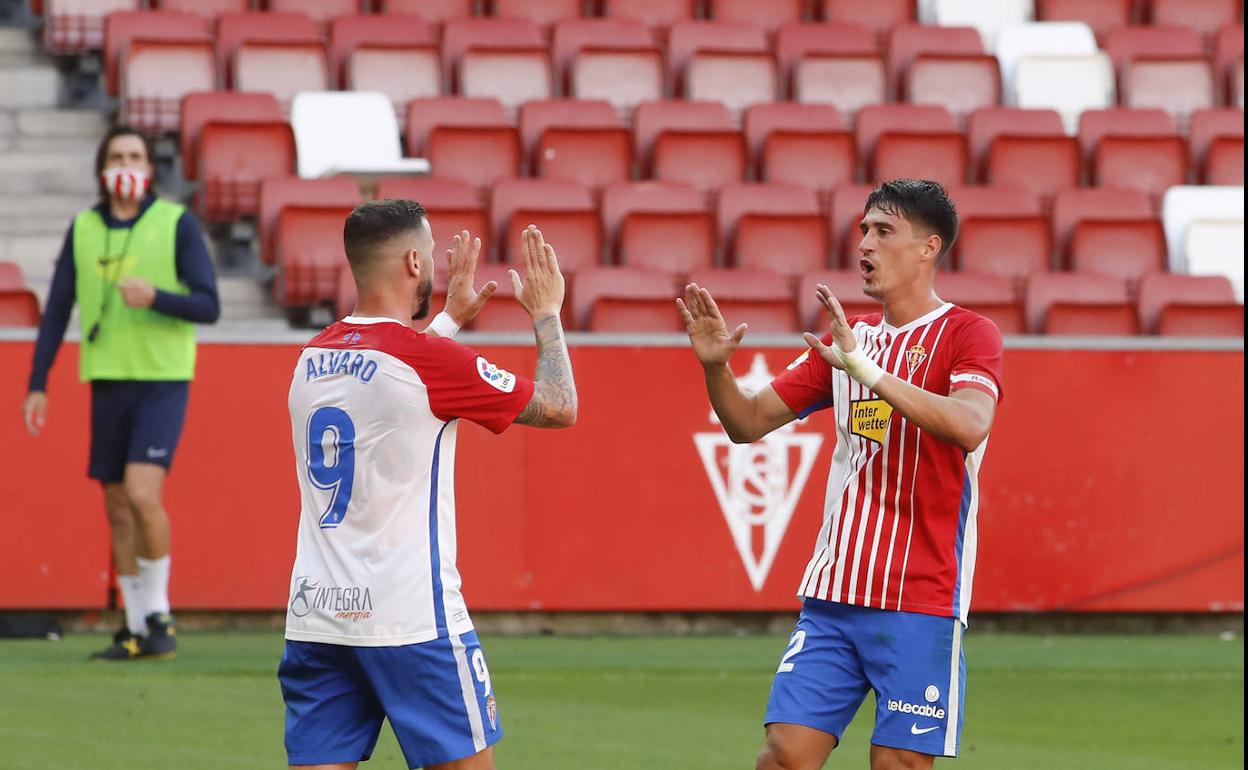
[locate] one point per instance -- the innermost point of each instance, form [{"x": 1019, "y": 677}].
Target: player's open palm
[
  {"x": 842, "y": 334},
  {"x": 708, "y": 334},
  {"x": 463, "y": 301},
  {"x": 541, "y": 290}
]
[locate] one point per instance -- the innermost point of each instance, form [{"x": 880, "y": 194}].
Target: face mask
[{"x": 127, "y": 184}]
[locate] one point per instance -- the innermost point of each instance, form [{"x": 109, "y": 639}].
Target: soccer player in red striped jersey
[{"x": 886, "y": 592}]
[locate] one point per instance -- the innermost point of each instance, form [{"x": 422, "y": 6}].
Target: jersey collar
[
  {"x": 361, "y": 320},
  {"x": 920, "y": 321}
]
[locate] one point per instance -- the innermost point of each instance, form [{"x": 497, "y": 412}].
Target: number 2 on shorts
[
  {"x": 337, "y": 477},
  {"x": 796, "y": 642}
]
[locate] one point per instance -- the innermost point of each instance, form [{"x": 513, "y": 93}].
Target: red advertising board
[{"x": 1113, "y": 482}]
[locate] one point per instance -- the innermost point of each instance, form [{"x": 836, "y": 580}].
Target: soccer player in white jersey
[
  {"x": 885, "y": 595},
  {"x": 377, "y": 627}
]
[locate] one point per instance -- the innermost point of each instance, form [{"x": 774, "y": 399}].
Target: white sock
[
  {"x": 133, "y": 596},
  {"x": 155, "y": 576}
]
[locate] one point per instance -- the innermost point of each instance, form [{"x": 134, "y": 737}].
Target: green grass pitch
[{"x": 689, "y": 703}]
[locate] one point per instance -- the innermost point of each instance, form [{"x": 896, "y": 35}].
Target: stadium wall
[{"x": 1113, "y": 483}]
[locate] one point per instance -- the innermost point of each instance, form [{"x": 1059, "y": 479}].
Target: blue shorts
[
  {"x": 134, "y": 422},
  {"x": 913, "y": 662},
  {"x": 437, "y": 696}
]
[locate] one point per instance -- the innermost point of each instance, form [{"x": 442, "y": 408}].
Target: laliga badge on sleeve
[{"x": 500, "y": 379}]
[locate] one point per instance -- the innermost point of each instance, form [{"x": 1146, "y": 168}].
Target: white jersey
[{"x": 373, "y": 408}]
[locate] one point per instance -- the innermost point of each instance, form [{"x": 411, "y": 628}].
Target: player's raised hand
[
  {"x": 463, "y": 301},
  {"x": 708, "y": 334},
  {"x": 842, "y": 334},
  {"x": 541, "y": 290}
]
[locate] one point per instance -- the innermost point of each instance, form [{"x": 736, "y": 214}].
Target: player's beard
[{"x": 422, "y": 300}]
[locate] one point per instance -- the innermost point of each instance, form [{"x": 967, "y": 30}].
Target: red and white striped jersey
[
  {"x": 373, "y": 417},
  {"x": 899, "y": 522}
]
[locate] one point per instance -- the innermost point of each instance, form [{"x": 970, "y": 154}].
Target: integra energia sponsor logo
[{"x": 353, "y": 603}]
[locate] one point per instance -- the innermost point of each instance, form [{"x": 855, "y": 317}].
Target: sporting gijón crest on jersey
[
  {"x": 899, "y": 523},
  {"x": 373, "y": 410}
]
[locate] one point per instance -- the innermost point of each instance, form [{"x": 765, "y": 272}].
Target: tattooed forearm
[{"x": 554, "y": 401}]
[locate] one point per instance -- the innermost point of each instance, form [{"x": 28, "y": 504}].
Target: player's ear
[
  {"x": 932, "y": 247},
  {"x": 412, "y": 262}
]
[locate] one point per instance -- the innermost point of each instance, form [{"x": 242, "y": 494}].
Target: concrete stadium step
[
  {"x": 34, "y": 254},
  {"x": 40, "y": 213},
  {"x": 244, "y": 297},
  {"x": 17, "y": 42},
  {"x": 29, "y": 86},
  {"x": 45, "y": 130},
  {"x": 43, "y": 172}
]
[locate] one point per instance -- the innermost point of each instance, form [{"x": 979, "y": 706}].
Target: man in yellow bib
[{"x": 140, "y": 272}]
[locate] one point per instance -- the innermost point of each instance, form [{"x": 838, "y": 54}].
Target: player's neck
[
  {"x": 899, "y": 311},
  {"x": 382, "y": 304},
  {"x": 123, "y": 209}
]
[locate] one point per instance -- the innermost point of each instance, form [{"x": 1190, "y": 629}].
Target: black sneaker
[
  {"x": 125, "y": 646},
  {"x": 161, "y": 641}
]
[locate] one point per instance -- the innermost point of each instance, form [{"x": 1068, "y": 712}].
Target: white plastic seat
[
  {"x": 1045, "y": 38},
  {"x": 1216, "y": 247},
  {"x": 1183, "y": 206},
  {"x": 1068, "y": 84},
  {"x": 987, "y": 16},
  {"x": 348, "y": 132}
]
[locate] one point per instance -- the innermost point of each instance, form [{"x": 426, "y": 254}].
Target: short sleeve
[
  {"x": 977, "y": 357},
  {"x": 464, "y": 384},
  {"x": 806, "y": 386}
]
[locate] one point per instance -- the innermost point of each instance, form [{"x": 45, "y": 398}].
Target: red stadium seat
[
  {"x": 319, "y": 10},
  {"x": 234, "y": 158},
  {"x": 219, "y": 107},
  {"x": 1216, "y": 142},
  {"x": 432, "y": 11},
  {"x": 1070, "y": 207},
  {"x": 1146, "y": 163},
  {"x": 773, "y": 227},
  {"x": 122, "y": 27},
  {"x": 626, "y": 299},
  {"x": 770, "y": 15},
  {"x": 74, "y": 27},
  {"x": 961, "y": 83},
  {"x": 401, "y": 73},
  {"x": 349, "y": 33},
  {"x": 209, "y": 9},
  {"x": 804, "y": 144},
  {"x": 911, "y": 141},
  {"x": 987, "y": 123},
  {"x": 652, "y": 13},
  {"x": 845, "y": 212},
  {"x": 19, "y": 307},
  {"x": 544, "y": 13},
  {"x": 1235, "y": 93},
  {"x": 1042, "y": 164},
  {"x": 1122, "y": 121},
  {"x": 1228, "y": 52},
  {"x": 282, "y": 69},
  {"x": 659, "y": 225},
  {"x": 1204, "y": 16},
  {"x": 1126, "y": 249},
  {"x": 11, "y": 276},
  {"x": 994, "y": 202},
  {"x": 578, "y": 140},
  {"x": 157, "y": 75},
  {"x": 845, "y": 285},
  {"x": 1128, "y": 43},
  {"x": 879, "y": 15},
  {"x": 1070, "y": 303},
  {"x": 1102, "y": 15},
  {"x": 762, "y": 120},
  {"x": 849, "y": 82},
  {"x": 451, "y": 204},
  {"x": 1162, "y": 66},
  {"x": 572, "y": 36},
  {"x": 234, "y": 29},
  {"x": 1013, "y": 247},
  {"x": 724, "y": 61},
  {"x": 563, "y": 210},
  {"x": 464, "y": 34},
  {"x": 795, "y": 41},
  {"x": 310, "y": 253},
  {"x": 1202, "y": 321},
  {"x": 278, "y": 192},
  {"x": 1158, "y": 290},
  {"x": 993, "y": 296},
  {"x": 624, "y": 77},
  {"x": 760, "y": 298},
  {"x": 467, "y": 139},
  {"x": 513, "y": 76},
  {"x": 907, "y": 42},
  {"x": 694, "y": 142}
]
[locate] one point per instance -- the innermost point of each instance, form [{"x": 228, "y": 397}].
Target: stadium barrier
[{"x": 1113, "y": 482}]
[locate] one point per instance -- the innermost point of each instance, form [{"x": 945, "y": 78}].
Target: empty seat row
[{"x": 18, "y": 304}]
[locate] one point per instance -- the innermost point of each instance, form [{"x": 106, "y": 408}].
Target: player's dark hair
[
  {"x": 923, "y": 203},
  {"x": 101, "y": 155},
  {"x": 375, "y": 223}
]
